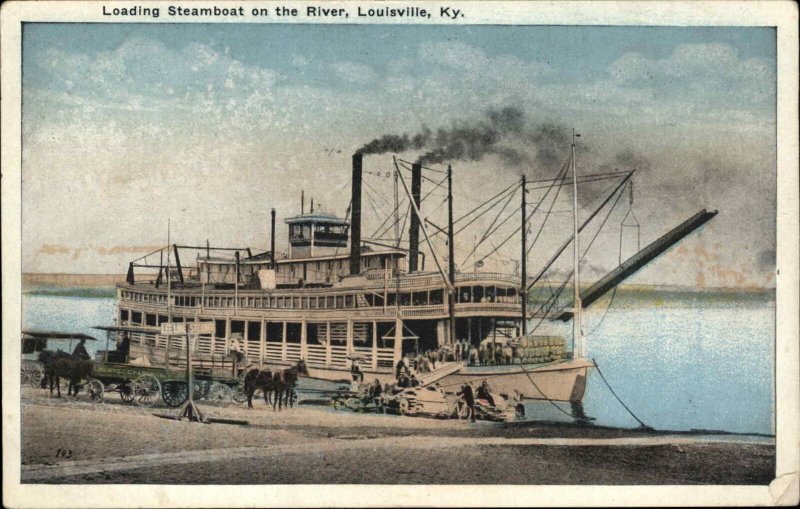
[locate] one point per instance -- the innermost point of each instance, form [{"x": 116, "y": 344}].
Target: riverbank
[{"x": 114, "y": 443}]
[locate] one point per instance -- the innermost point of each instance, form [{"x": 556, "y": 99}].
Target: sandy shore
[{"x": 117, "y": 443}]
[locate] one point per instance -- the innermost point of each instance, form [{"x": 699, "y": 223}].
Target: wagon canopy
[
  {"x": 36, "y": 341},
  {"x": 128, "y": 328},
  {"x": 55, "y": 335}
]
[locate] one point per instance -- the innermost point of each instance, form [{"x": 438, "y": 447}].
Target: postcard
[{"x": 400, "y": 253}]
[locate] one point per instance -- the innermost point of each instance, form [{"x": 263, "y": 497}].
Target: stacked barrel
[{"x": 538, "y": 349}]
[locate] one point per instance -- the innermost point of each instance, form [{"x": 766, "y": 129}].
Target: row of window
[
  {"x": 424, "y": 298},
  {"x": 250, "y": 330}
]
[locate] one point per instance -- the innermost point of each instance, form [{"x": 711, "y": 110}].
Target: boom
[{"x": 640, "y": 259}]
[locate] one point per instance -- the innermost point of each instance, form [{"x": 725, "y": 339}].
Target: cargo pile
[{"x": 542, "y": 349}]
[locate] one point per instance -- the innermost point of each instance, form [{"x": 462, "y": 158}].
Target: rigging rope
[
  {"x": 563, "y": 174},
  {"x": 599, "y": 372}
]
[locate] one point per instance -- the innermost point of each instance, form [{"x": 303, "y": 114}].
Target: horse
[
  {"x": 279, "y": 381},
  {"x": 507, "y": 353},
  {"x": 61, "y": 364}
]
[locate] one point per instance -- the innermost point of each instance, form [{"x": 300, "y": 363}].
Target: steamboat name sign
[{"x": 175, "y": 328}]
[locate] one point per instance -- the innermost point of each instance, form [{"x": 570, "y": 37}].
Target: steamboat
[{"x": 336, "y": 298}]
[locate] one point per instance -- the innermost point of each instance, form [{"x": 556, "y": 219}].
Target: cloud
[
  {"x": 471, "y": 61},
  {"x": 354, "y": 73},
  {"x": 702, "y": 69}
]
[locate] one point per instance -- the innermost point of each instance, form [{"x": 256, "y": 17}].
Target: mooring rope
[{"x": 643, "y": 425}]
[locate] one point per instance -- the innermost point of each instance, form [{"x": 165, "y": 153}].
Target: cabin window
[
  {"x": 219, "y": 328},
  {"x": 123, "y": 315},
  {"x": 237, "y": 327},
  {"x": 280, "y": 302},
  {"x": 150, "y": 320},
  {"x": 313, "y": 302},
  {"x": 274, "y": 332},
  {"x": 296, "y": 302},
  {"x": 315, "y": 333},
  {"x": 293, "y": 331},
  {"x": 254, "y": 331},
  {"x": 337, "y": 332},
  {"x": 162, "y": 319},
  {"x": 136, "y": 317},
  {"x": 392, "y": 299},
  {"x": 436, "y": 297},
  {"x": 405, "y": 299},
  {"x": 478, "y": 294},
  {"x": 349, "y": 302}
]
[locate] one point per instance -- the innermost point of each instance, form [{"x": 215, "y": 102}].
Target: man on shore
[{"x": 469, "y": 399}]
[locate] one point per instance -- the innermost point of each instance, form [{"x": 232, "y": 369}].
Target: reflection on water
[{"x": 682, "y": 363}]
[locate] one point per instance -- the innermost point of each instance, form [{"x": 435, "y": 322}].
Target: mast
[
  {"x": 577, "y": 326},
  {"x": 169, "y": 278},
  {"x": 524, "y": 264},
  {"x": 451, "y": 262}
]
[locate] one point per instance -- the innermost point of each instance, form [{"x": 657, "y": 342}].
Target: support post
[
  {"x": 283, "y": 342},
  {"x": 451, "y": 257},
  {"x": 374, "y": 345},
  {"x": 524, "y": 262},
  {"x": 190, "y": 410}
]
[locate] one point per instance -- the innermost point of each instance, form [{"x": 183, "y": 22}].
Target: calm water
[{"x": 679, "y": 361}]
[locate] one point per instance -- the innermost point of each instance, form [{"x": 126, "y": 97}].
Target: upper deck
[{"x": 377, "y": 293}]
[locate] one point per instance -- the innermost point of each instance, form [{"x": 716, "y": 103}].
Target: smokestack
[
  {"x": 413, "y": 232},
  {"x": 355, "y": 217},
  {"x": 272, "y": 239}
]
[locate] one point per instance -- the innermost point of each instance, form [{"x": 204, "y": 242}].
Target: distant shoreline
[{"x": 32, "y": 281}]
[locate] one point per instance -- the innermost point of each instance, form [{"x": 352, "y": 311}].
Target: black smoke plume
[{"x": 506, "y": 133}]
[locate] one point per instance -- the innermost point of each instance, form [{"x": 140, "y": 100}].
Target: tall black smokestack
[
  {"x": 355, "y": 217},
  {"x": 272, "y": 239},
  {"x": 413, "y": 232}
]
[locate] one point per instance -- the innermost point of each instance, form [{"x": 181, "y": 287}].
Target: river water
[{"x": 680, "y": 361}]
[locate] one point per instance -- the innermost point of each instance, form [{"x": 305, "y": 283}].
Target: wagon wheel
[
  {"x": 174, "y": 393},
  {"x": 220, "y": 392},
  {"x": 239, "y": 395},
  {"x": 126, "y": 392},
  {"x": 94, "y": 389},
  {"x": 31, "y": 375},
  {"x": 146, "y": 390}
]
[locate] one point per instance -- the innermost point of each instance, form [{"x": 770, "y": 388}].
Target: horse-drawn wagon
[
  {"x": 148, "y": 377},
  {"x": 32, "y": 370},
  {"x": 139, "y": 379}
]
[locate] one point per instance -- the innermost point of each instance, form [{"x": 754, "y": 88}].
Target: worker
[
  {"x": 401, "y": 367},
  {"x": 355, "y": 371},
  {"x": 469, "y": 399},
  {"x": 80, "y": 351},
  {"x": 484, "y": 392}
]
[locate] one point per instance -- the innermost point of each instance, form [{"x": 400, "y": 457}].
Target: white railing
[
  {"x": 467, "y": 307},
  {"x": 316, "y": 354},
  {"x": 339, "y": 356},
  {"x": 274, "y": 352},
  {"x": 292, "y": 351},
  {"x": 422, "y": 310}
]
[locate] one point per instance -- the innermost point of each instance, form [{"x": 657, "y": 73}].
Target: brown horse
[
  {"x": 280, "y": 381},
  {"x": 61, "y": 364}
]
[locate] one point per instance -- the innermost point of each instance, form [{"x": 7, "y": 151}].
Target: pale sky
[{"x": 211, "y": 125}]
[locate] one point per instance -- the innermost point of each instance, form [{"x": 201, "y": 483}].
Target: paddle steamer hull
[{"x": 558, "y": 381}]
